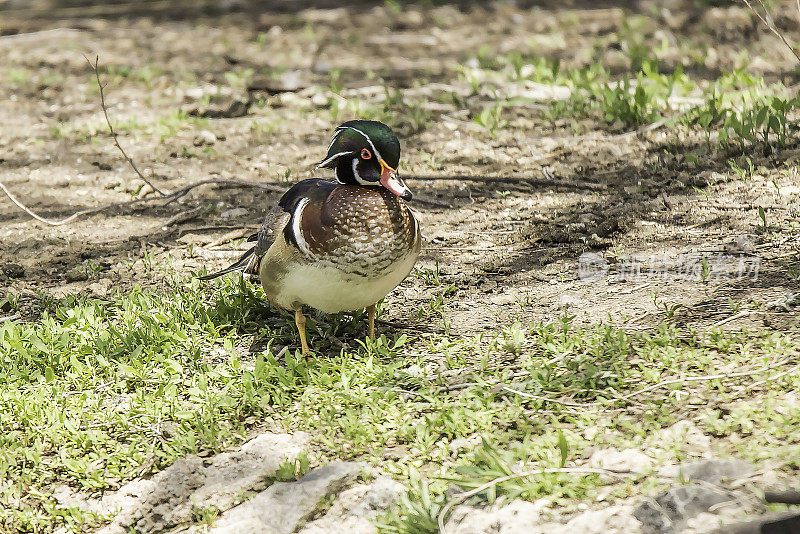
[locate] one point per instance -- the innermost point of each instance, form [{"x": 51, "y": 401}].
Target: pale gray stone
[
  {"x": 204, "y": 137},
  {"x": 169, "y": 497},
  {"x": 282, "y": 507},
  {"x": 624, "y": 461},
  {"x": 234, "y": 212},
  {"x": 687, "y": 434},
  {"x": 776, "y": 522},
  {"x": 614, "y": 519},
  {"x": 522, "y": 517},
  {"x": 712, "y": 471},
  {"x": 669, "y": 511},
  {"x": 355, "y": 509},
  {"x": 518, "y": 517}
]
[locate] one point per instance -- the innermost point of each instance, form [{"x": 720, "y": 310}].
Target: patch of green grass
[
  {"x": 633, "y": 37},
  {"x": 640, "y": 97},
  {"x": 262, "y": 129},
  {"x": 641, "y": 100},
  {"x": 18, "y": 77},
  {"x": 739, "y": 109},
  {"x": 114, "y": 75},
  {"x": 752, "y": 119},
  {"x": 94, "y": 389},
  {"x": 491, "y": 117},
  {"x": 431, "y": 276},
  {"x": 239, "y": 78},
  {"x": 204, "y": 515},
  {"x": 396, "y": 111},
  {"x": 31, "y": 80},
  {"x": 417, "y": 511},
  {"x": 165, "y": 128},
  {"x": 169, "y": 125}
]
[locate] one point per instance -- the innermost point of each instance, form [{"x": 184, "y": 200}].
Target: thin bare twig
[
  {"x": 111, "y": 128},
  {"x": 546, "y": 399},
  {"x": 771, "y": 25},
  {"x": 772, "y": 378},
  {"x": 72, "y": 217},
  {"x": 170, "y": 197},
  {"x": 734, "y": 317},
  {"x": 701, "y": 379},
  {"x": 183, "y": 216},
  {"x": 240, "y": 233},
  {"x": 528, "y": 179},
  {"x": 648, "y": 127},
  {"x": 461, "y": 497},
  {"x": 175, "y": 195}
]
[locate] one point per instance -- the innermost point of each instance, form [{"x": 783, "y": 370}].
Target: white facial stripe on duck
[
  {"x": 371, "y": 144},
  {"x": 328, "y": 160}
]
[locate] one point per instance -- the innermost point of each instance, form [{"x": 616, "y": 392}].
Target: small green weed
[
  {"x": 293, "y": 469},
  {"x": 763, "y": 226},
  {"x": 394, "y": 111},
  {"x": 755, "y": 116},
  {"x": 18, "y": 77},
  {"x": 416, "y": 513},
  {"x": 205, "y": 516},
  {"x": 491, "y": 117},
  {"x": 431, "y": 276},
  {"x": 745, "y": 171},
  {"x": 113, "y": 75},
  {"x": 239, "y": 79}
]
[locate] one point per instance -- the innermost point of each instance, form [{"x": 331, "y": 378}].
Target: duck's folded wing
[{"x": 278, "y": 220}]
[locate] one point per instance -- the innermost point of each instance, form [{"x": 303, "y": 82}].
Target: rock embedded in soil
[
  {"x": 204, "y": 138},
  {"x": 287, "y": 82},
  {"x": 12, "y": 270},
  {"x": 712, "y": 471},
  {"x": 101, "y": 287},
  {"x": 624, "y": 461},
  {"x": 170, "y": 497},
  {"x": 613, "y": 519},
  {"x": 355, "y": 509},
  {"x": 76, "y": 274},
  {"x": 521, "y": 517},
  {"x": 518, "y": 517},
  {"x": 669, "y": 511},
  {"x": 281, "y": 508},
  {"x": 239, "y": 487}
]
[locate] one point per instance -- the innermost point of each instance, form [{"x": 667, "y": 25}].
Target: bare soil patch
[{"x": 537, "y": 196}]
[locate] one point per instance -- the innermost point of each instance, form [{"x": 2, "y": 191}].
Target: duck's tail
[{"x": 247, "y": 263}]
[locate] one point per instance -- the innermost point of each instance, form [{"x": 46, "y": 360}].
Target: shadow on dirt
[{"x": 190, "y": 9}]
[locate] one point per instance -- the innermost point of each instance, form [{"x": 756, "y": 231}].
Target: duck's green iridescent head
[{"x": 366, "y": 153}]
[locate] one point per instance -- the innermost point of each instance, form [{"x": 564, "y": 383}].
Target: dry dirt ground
[
  {"x": 528, "y": 215},
  {"x": 507, "y": 212}
]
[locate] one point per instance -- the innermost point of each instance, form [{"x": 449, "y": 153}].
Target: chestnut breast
[{"x": 360, "y": 230}]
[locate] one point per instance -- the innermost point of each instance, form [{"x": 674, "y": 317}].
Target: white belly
[{"x": 332, "y": 290}]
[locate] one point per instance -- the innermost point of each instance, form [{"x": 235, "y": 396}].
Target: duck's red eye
[{"x": 365, "y": 154}]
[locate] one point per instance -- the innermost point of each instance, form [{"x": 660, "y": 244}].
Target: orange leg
[
  {"x": 300, "y": 321},
  {"x": 371, "y": 315}
]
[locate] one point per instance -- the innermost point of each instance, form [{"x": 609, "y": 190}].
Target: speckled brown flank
[{"x": 359, "y": 229}]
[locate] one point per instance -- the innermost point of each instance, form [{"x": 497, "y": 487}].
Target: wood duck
[{"x": 338, "y": 245}]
